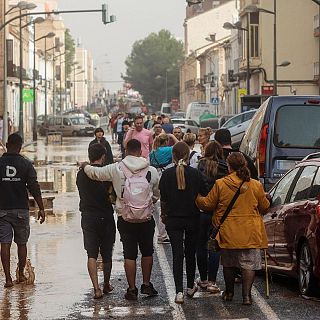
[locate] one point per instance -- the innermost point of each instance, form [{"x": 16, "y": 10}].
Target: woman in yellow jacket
[{"x": 242, "y": 234}]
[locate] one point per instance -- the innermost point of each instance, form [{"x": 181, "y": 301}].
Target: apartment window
[{"x": 254, "y": 34}]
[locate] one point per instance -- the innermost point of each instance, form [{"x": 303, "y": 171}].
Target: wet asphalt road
[{"x": 62, "y": 289}]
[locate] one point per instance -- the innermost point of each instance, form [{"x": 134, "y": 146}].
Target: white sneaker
[
  {"x": 191, "y": 292},
  {"x": 212, "y": 287},
  {"x": 179, "y": 298},
  {"x": 202, "y": 284}
]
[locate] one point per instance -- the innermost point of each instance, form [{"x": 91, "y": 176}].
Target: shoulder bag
[{"x": 213, "y": 244}]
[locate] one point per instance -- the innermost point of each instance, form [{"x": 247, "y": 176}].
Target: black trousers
[{"x": 183, "y": 234}]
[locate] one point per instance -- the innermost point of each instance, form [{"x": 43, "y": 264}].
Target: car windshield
[
  {"x": 77, "y": 121},
  {"x": 297, "y": 127},
  {"x": 177, "y": 121}
]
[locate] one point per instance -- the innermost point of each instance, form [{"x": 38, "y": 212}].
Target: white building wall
[{"x": 209, "y": 22}]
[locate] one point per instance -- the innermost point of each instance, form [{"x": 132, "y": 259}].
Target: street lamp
[
  {"x": 48, "y": 35},
  {"x": 60, "y": 93},
  {"x": 45, "y": 76},
  {"x": 22, "y": 6},
  {"x": 229, "y": 26},
  {"x": 34, "y": 22}
]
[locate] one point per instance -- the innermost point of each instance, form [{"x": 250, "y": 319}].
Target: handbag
[{"x": 213, "y": 244}]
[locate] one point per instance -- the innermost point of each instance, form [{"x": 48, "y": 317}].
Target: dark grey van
[{"x": 284, "y": 130}]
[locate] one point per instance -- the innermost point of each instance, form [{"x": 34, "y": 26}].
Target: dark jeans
[
  {"x": 183, "y": 234},
  {"x": 207, "y": 261}
]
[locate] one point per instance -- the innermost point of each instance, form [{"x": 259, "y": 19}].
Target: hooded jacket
[
  {"x": 244, "y": 227},
  {"x": 114, "y": 173}
]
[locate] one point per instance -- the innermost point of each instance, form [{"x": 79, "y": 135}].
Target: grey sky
[{"x": 135, "y": 20}]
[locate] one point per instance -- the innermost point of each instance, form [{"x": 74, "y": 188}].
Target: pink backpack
[{"x": 137, "y": 206}]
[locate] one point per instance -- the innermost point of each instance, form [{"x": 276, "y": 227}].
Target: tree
[
  {"x": 70, "y": 52},
  {"x": 153, "y": 63}
]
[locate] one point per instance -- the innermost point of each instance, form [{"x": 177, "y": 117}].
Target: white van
[
  {"x": 166, "y": 109},
  {"x": 196, "y": 109}
]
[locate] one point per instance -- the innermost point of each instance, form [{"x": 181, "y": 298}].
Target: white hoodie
[{"x": 113, "y": 173}]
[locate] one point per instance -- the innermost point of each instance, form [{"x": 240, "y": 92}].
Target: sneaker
[
  {"x": 132, "y": 294},
  {"x": 179, "y": 298},
  {"x": 192, "y": 291},
  {"x": 149, "y": 290},
  {"x": 202, "y": 284},
  {"x": 212, "y": 287},
  {"x": 165, "y": 241}
]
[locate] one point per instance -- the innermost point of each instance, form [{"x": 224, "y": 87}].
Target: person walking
[
  {"x": 204, "y": 137},
  {"x": 179, "y": 187},
  {"x": 136, "y": 187},
  {"x": 17, "y": 177},
  {"x": 141, "y": 134},
  {"x": 240, "y": 245},
  {"x": 118, "y": 126},
  {"x": 97, "y": 222},
  {"x": 160, "y": 158},
  {"x": 212, "y": 167},
  {"x": 190, "y": 140},
  {"x": 99, "y": 138}
]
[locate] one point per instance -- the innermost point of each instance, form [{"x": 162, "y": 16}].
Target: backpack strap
[
  {"x": 192, "y": 154},
  {"x": 127, "y": 173}
]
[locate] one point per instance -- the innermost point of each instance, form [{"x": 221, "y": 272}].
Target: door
[
  {"x": 279, "y": 195},
  {"x": 66, "y": 127},
  {"x": 293, "y": 218}
]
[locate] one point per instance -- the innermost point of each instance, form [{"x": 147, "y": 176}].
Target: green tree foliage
[
  {"x": 70, "y": 51},
  {"x": 152, "y": 61}
]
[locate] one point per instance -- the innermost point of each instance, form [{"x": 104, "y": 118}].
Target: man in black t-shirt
[
  {"x": 97, "y": 221},
  {"x": 17, "y": 177}
]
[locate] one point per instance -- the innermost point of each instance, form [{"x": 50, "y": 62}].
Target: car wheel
[
  {"x": 305, "y": 270},
  {"x": 74, "y": 134}
]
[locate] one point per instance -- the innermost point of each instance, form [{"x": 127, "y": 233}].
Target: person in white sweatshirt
[{"x": 132, "y": 234}]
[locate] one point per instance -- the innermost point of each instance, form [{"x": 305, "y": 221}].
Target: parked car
[
  {"x": 284, "y": 130},
  {"x": 293, "y": 225},
  {"x": 70, "y": 125},
  {"x": 238, "y": 125},
  {"x": 185, "y": 125}
]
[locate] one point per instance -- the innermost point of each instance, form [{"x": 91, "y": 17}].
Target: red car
[{"x": 293, "y": 224}]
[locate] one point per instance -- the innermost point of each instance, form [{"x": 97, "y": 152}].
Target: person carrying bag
[{"x": 240, "y": 247}]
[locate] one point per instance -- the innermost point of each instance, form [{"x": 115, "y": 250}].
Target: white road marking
[
  {"x": 263, "y": 305},
  {"x": 177, "y": 312}
]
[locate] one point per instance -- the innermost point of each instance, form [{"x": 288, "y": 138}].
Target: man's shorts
[
  {"x": 14, "y": 224},
  {"x": 99, "y": 235},
  {"x": 136, "y": 234}
]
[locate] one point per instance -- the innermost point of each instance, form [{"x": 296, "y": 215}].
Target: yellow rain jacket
[{"x": 244, "y": 227}]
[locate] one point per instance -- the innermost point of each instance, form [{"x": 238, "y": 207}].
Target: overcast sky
[{"x": 112, "y": 43}]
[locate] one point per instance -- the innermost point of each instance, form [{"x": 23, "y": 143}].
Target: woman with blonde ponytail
[{"x": 179, "y": 187}]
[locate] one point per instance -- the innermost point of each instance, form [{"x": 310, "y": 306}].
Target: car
[
  {"x": 284, "y": 130},
  {"x": 70, "y": 125},
  {"x": 293, "y": 225},
  {"x": 185, "y": 125},
  {"x": 238, "y": 125}
]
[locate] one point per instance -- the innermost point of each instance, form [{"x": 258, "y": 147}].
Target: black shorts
[
  {"x": 14, "y": 224},
  {"x": 136, "y": 234},
  {"x": 99, "y": 235}
]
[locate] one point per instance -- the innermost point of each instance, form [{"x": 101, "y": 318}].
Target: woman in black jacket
[
  {"x": 179, "y": 186},
  {"x": 212, "y": 167},
  {"x": 99, "y": 138}
]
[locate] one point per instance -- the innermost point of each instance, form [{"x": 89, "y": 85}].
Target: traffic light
[{"x": 105, "y": 16}]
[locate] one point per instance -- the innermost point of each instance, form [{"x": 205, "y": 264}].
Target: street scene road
[
  {"x": 62, "y": 289},
  {"x": 160, "y": 159}
]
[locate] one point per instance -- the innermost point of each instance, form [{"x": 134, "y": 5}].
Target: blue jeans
[{"x": 207, "y": 261}]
